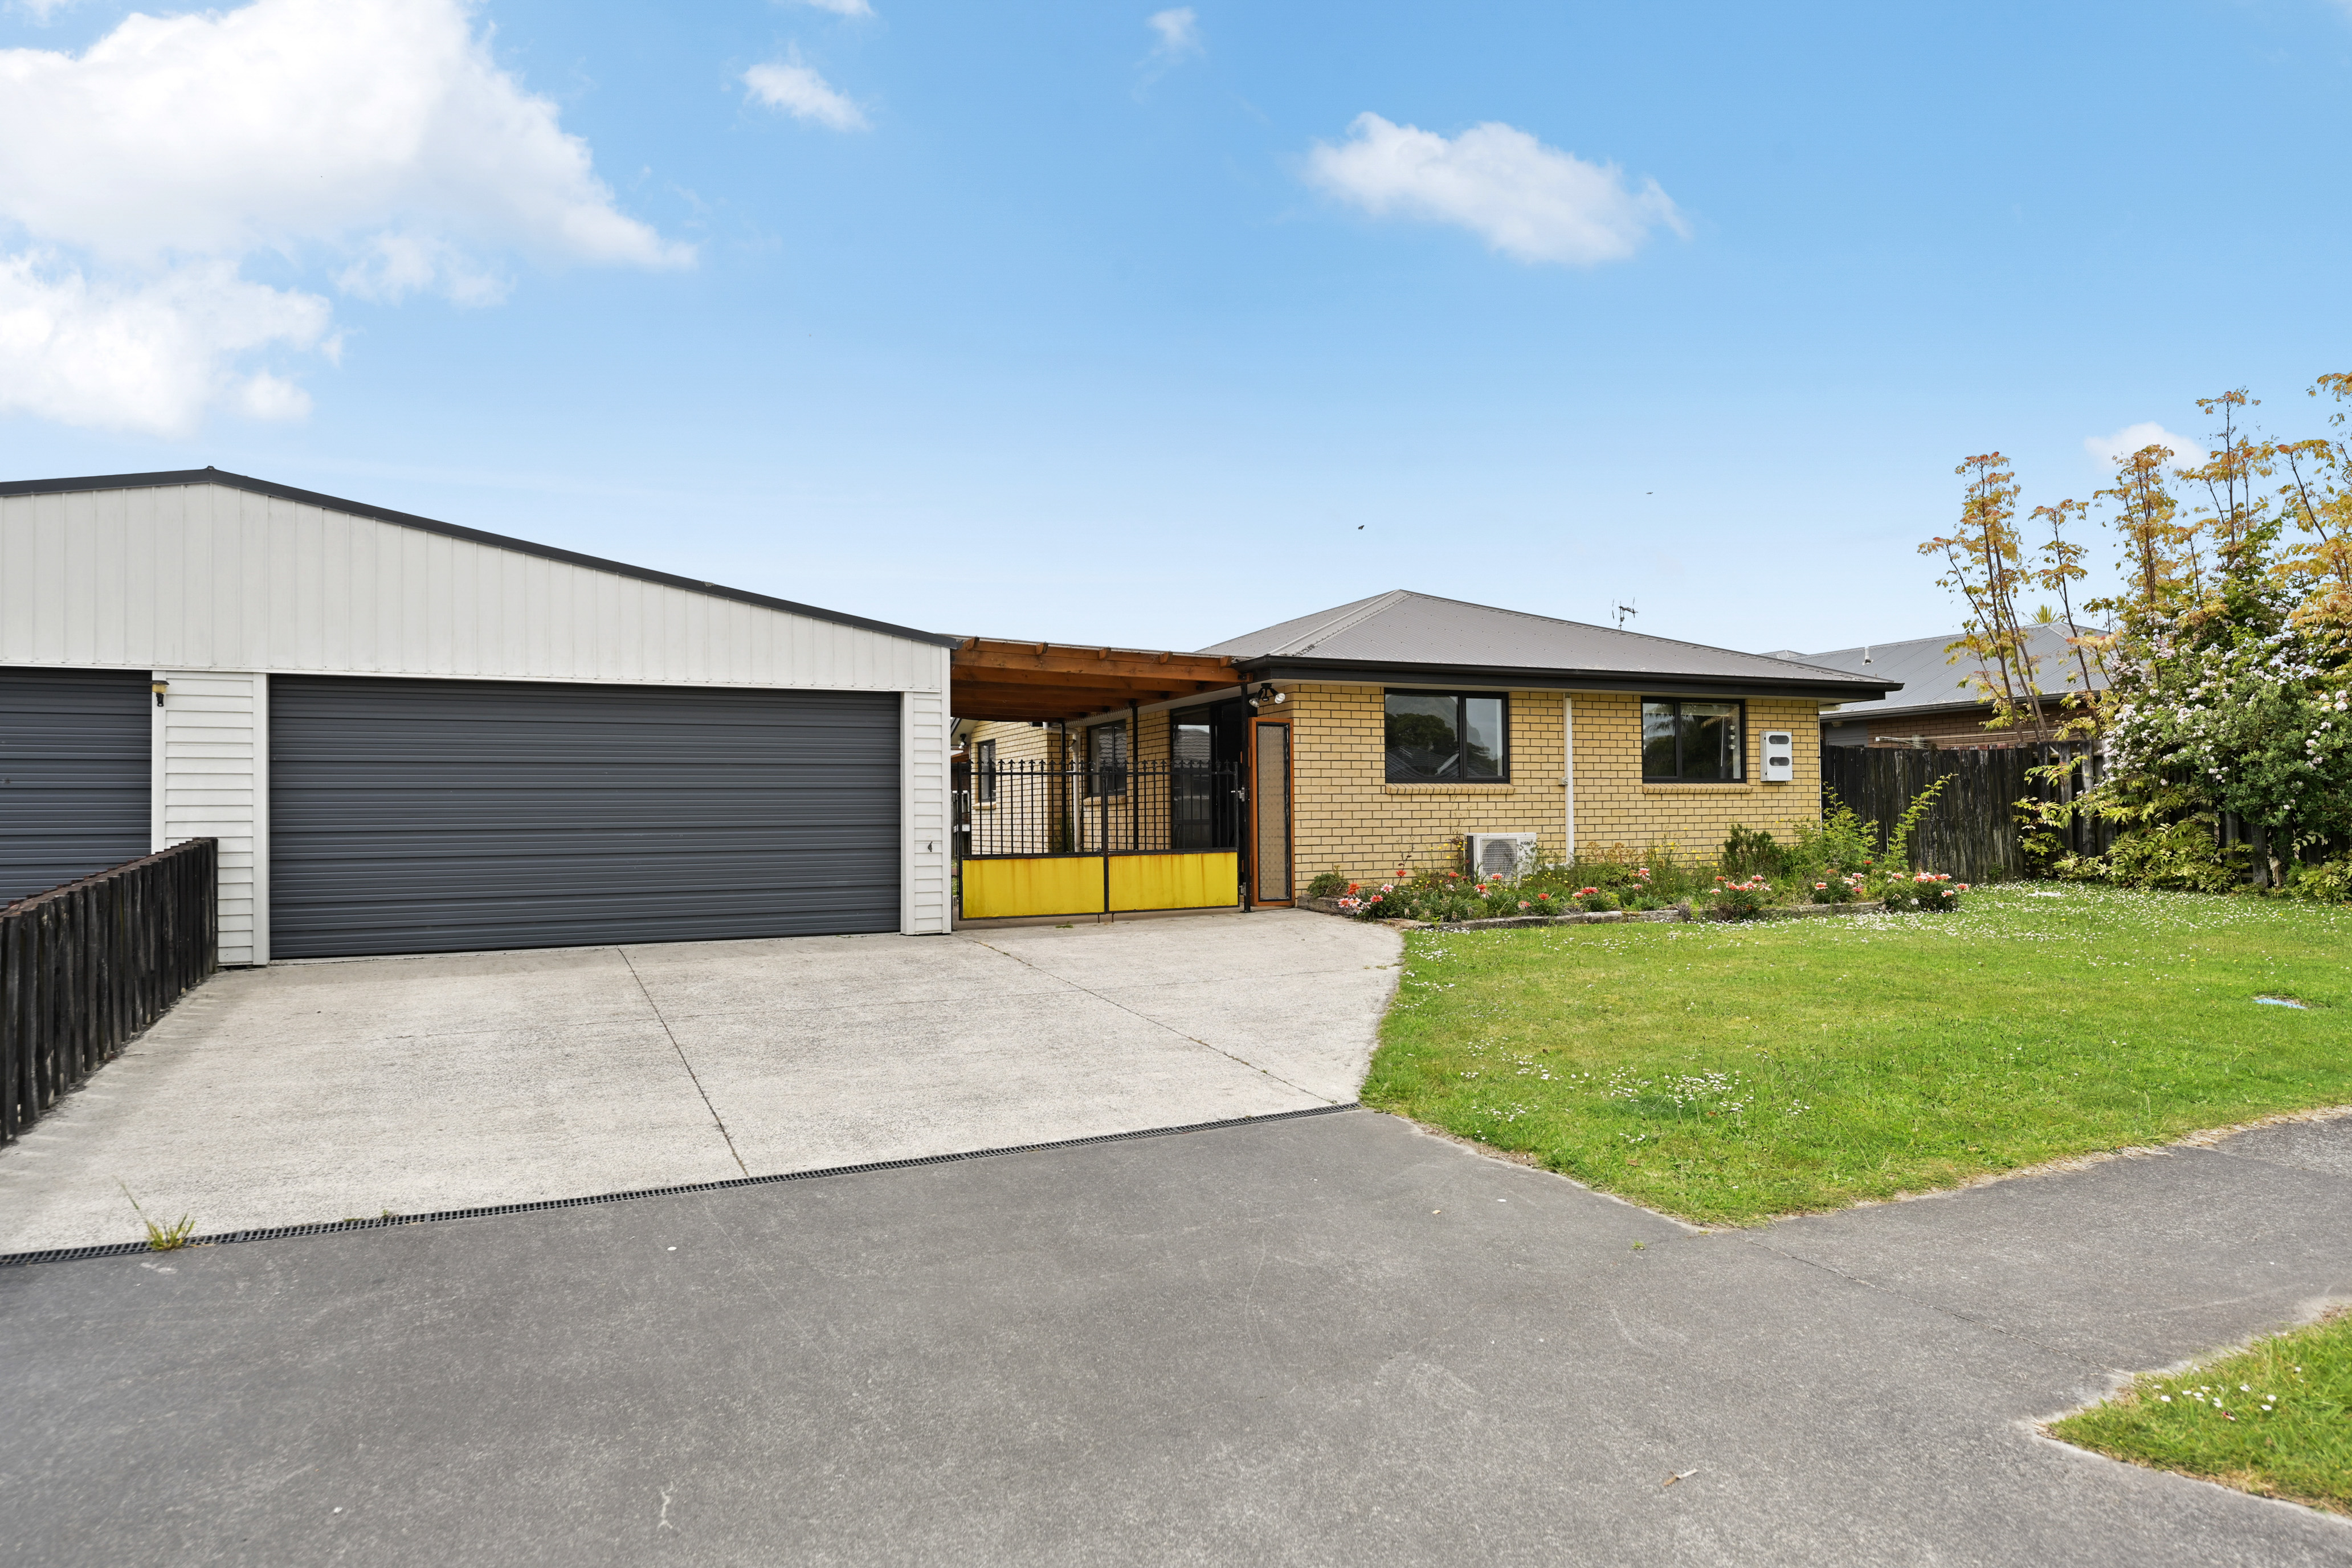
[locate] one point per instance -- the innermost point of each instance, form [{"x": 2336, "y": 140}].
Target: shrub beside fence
[
  {"x": 85, "y": 967},
  {"x": 1973, "y": 830}
]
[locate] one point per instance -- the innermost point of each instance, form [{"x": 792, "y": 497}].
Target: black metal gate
[{"x": 1050, "y": 838}]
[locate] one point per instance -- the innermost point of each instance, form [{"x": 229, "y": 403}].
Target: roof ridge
[
  {"x": 1620, "y": 631},
  {"x": 1354, "y": 615},
  {"x": 210, "y": 476}
]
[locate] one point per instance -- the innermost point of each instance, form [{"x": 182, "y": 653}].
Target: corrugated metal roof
[
  {"x": 1404, "y": 628},
  {"x": 1931, "y": 679}
]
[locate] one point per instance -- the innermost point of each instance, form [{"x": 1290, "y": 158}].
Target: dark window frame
[
  {"x": 984, "y": 773},
  {"x": 1108, "y": 780},
  {"x": 1641, "y": 741},
  {"x": 1460, "y": 735}
]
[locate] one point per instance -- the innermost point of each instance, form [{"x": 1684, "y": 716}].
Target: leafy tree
[
  {"x": 1985, "y": 564},
  {"x": 2229, "y": 658}
]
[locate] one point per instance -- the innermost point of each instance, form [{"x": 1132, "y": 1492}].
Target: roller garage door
[
  {"x": 458, "y": 815},
  {"x": 74, "y": 782}
]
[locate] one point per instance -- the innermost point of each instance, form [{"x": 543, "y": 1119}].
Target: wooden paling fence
[
  {"x": 85, "y": 967},
  {"x": 1973, "y": 830}
]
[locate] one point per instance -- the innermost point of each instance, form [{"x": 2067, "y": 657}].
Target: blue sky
[{"x": 1051, "y": 322}]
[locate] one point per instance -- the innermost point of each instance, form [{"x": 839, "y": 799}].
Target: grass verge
[
  {"x": 2275, "y": 1419},
  {"x": 1727, "y": 1073}
]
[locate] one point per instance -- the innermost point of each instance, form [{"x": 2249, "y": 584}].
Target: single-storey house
[
  {"x": 412, "y": 736},
  {"x": 1397, "y": 732},
  {"x": 1941, "y": 706}
]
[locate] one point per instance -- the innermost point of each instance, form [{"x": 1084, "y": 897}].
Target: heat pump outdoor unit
[
  {"x": 1779, "y": 756},
  {"x": 1512, "y": 854}
]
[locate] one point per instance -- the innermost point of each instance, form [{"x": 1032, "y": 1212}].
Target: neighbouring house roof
[
  {"x": 1932, "y": 681},
  {"x": 1404, "y": 635},
  {"x": 455, "y": 530}
]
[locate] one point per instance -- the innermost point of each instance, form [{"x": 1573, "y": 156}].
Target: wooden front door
[{"x": 1271, "y": 880}]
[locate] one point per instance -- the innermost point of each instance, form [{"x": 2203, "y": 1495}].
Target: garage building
[{"x": 412, "y": 736}]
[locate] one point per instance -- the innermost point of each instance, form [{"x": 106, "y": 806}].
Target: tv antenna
[{"x": 1623, "y": 611}]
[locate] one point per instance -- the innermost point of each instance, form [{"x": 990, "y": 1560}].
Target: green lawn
[
  {"x": 2276, "y": 1419},
  {"x": 1730, "y": 1072}
]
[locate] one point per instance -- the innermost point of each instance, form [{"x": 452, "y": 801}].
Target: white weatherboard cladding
[
  {"x": 212, "y": 577},
  {"x": 923, "y": 748},
  {"x": 210, "y": 736}
]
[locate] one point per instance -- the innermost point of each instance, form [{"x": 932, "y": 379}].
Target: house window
[
  {"x": 1107, "y": 759},
  {"x": 984, "y": 773},
  {"x": 1692, "y": 742},
  {"x": 1447, "y": 737}
]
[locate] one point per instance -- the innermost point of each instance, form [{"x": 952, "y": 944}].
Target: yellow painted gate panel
[
  {"x": 1200, "y": 881},
  {"x": 1055, "y": 885}
]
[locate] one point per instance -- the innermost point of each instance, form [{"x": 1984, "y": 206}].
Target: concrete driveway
[{"x": 331, "y": 1091}]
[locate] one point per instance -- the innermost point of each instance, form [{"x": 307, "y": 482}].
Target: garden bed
[{"x": 1677, "y": 912}]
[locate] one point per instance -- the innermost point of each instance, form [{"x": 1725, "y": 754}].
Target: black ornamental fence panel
[
  {"x": 1032, "y": 808},
  {"x": 86, "y": 966},
  {"x": 1973, "y": 830}
]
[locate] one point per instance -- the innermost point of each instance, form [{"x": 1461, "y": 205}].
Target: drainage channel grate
[{"x": 330, "y": 1227}]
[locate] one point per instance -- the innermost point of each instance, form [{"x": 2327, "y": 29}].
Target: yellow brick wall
[
  {"x": 1349, "y": 818},
  {"x": 1615, "y": 807},
  {"x": 1022, "y": 743}
]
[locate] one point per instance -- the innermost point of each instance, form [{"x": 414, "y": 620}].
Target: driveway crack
[
  {"x": 1156, "y": 1023},
  {"x": 1940, "y": 1307},
  {"x": 696, "y": 1079}
]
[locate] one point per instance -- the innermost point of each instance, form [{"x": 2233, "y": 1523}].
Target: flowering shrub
[
  {"x": 1597, "y": 901},
  {"x": 1743, "y": 899},
  {"x": 1840, "y": 888},
  {"x": 1927, "y": 890}
]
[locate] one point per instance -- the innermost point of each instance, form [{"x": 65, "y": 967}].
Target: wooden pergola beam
[
  {"x": 1158, "y": 680},
  {"x": 966, "y": 700},
  {"x": 979, "y": 654}
]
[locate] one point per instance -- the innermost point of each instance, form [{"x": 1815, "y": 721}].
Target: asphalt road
[{"x": 1332, "y": 1340}]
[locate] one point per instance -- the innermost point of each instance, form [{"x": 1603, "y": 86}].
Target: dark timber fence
[
  {"x": 85, "y": 967},
  {"x": 1972, "y": 831}
]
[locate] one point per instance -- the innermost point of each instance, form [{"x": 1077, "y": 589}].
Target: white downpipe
[{"x": 1568, "y": 766}]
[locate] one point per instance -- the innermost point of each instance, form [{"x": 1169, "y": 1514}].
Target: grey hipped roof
[
  {"x": 1931, "y": 682},
  {"x": 1404, "y": 635}
]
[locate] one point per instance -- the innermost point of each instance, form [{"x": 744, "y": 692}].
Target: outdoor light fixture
[
  {"x": 159, "y": 688},
  {"x": 1266, "y": 694}
]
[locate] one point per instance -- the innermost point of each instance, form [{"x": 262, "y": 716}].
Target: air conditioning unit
[
  {"x": 1512, "y": 854},
  {"x": 1779, "y": 756}
]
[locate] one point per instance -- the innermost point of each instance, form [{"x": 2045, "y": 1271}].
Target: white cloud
[
  {"x": 799, "y": 93},
  {"x": 2110, "y": 450},
  {"x": 842, "y": 8},
  {"x": 1180, "y": 33},
  {"x": 1531, "y": 202},
  {"x": 376, "y": 136},
  {"x": 148, "y": 356}
]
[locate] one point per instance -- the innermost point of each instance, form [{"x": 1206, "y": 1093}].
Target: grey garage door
[
  {"x": 456, "y": 815},
  {"x": 74, "y": 783}
]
